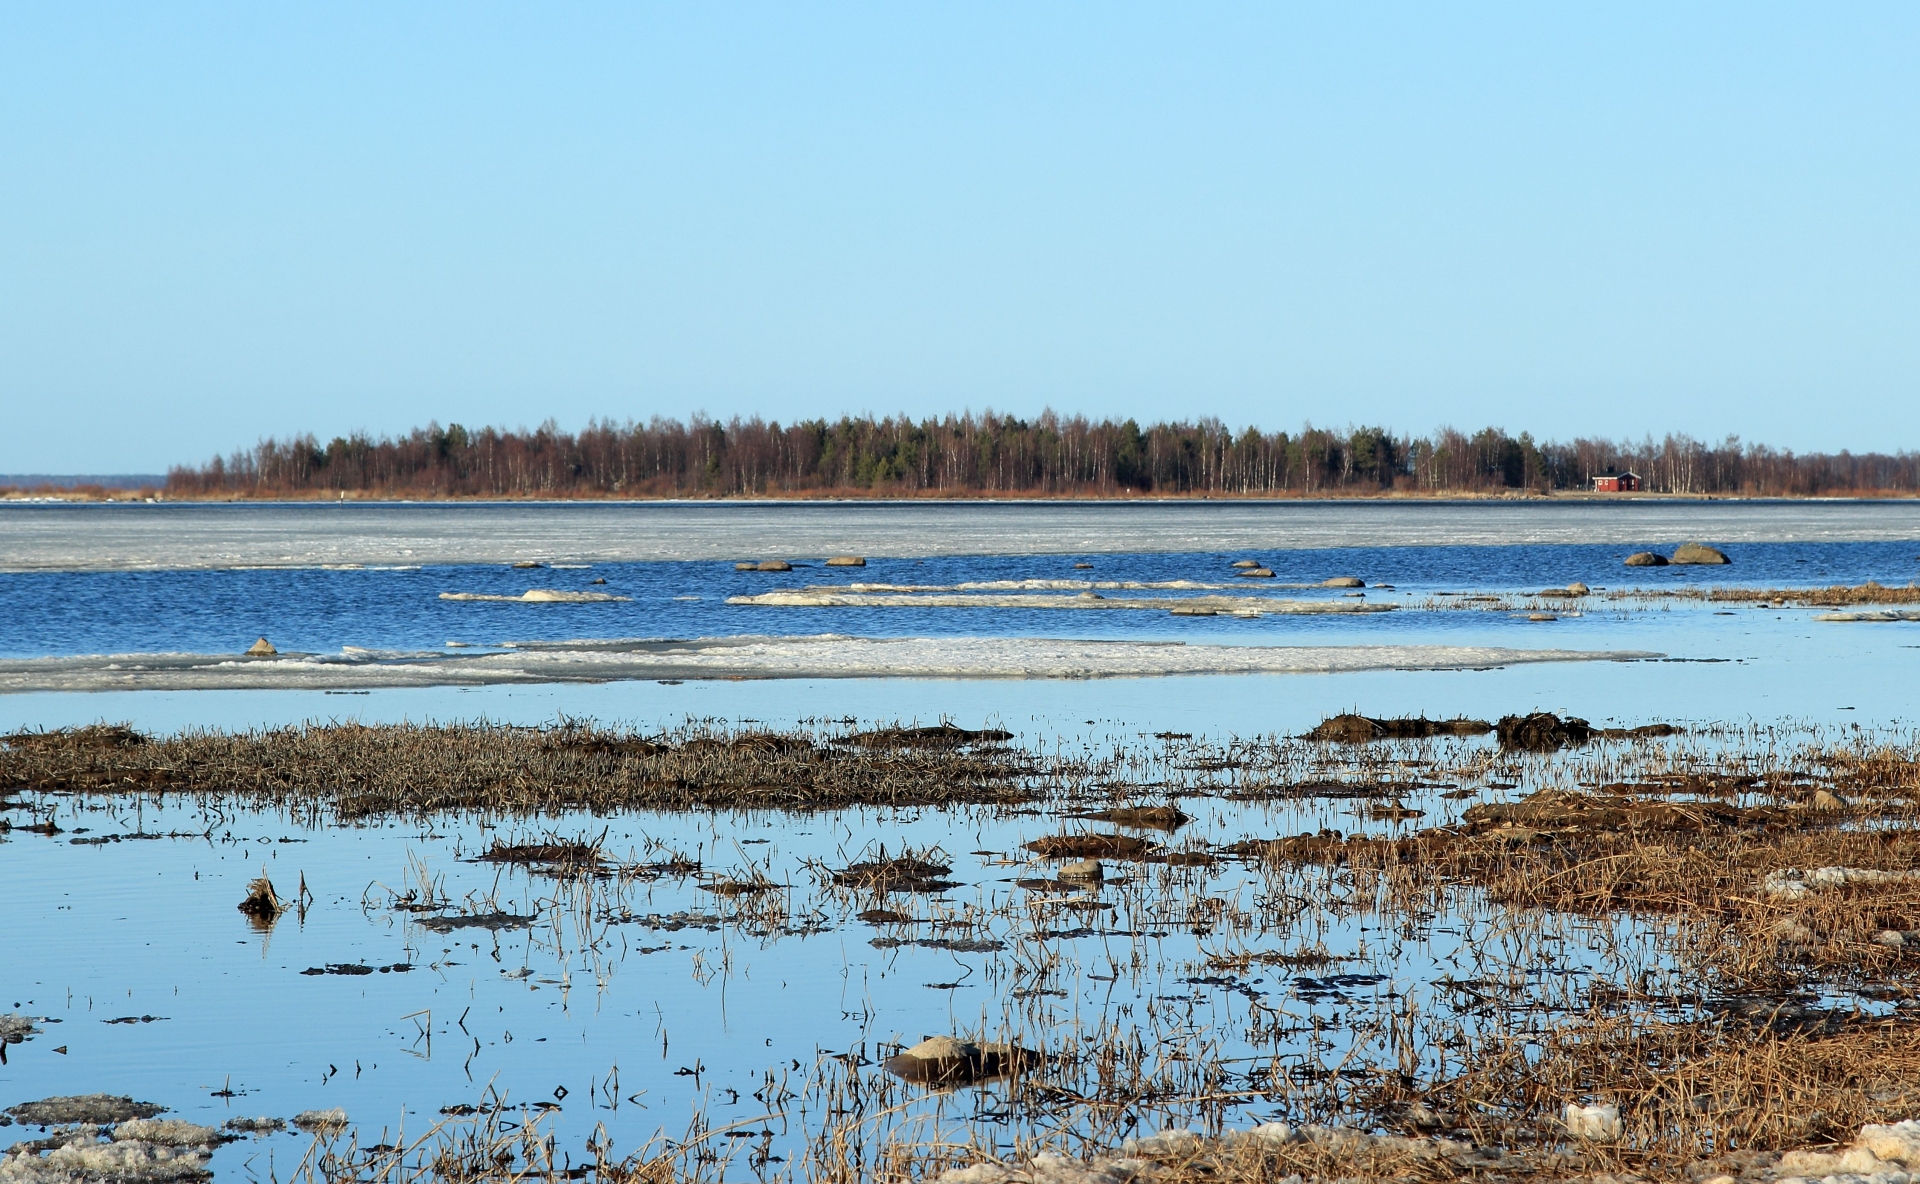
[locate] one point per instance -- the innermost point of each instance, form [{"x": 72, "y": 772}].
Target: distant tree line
[{"x": 997, "y": 455}]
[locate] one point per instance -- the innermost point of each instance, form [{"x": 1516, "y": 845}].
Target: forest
[{"x": 992, "y": 455}]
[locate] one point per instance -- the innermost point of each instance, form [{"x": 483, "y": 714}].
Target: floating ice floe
[
  {"x": 1089, "y": 599},
  {"x": 753, "y": 656},
  {"x": 1792, "y": 883},
  {"x": 538, "y": 596}
]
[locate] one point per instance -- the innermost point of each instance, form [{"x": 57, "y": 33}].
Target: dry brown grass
[{"x": 358, "y": 771}]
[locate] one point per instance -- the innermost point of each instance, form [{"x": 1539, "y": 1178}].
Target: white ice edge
[
  {"x": 751, "y": 656},
  {"x": 836, "y": 598}
]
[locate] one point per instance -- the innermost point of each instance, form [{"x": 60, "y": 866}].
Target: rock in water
[
  {"x": 261, "y": 649},
  {"x": 1344, "y": 582},
  {"x": 1646, "y": 559},
  {"x": 773, "y": 565},
  {"x": 1698, "y": 553},
  {"x": 1246, "y": 563},
  {"x": 937, "y": 1060},
  {"x": 943, "y": 1060},
  {"x": 846, "y": 561},
  {"x": 1578, "y": 589}
]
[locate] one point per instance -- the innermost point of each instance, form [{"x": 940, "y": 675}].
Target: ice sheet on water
[
  {"x": 751, "y": 656},
  {"x": 1083, "y": 601},
  {"x": 186, "y": 535}
]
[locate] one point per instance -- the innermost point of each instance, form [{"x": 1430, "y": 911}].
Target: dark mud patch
[
  {"x": 1162, "y": 818},
  {"x": 938, "y": 736},
  {"x": 447, "y": 923},
  {"x": 1359, "y": 729},
  {"x": 1089, "y": 846},
  {"x": 900, "y": 873},
  {"x": 956, "y": 945},
  {"x": 1542, "y": 731},
  {"x": 354, "y": 969},
  {"x": 553, "y": 857}
]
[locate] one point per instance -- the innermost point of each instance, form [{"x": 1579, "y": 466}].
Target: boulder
[
  {"x": 748, "y": 566},
  {"x": 1344, "y": 582},
  {"x": 1698, "y": 553},
  {"x": 261, "y": 649},
  {"x": 846, "y": 561},
  {"x": 943, "y": 1060},
  {"x": 773, "y": 565},
  {"x": 1646, "y": 559}
]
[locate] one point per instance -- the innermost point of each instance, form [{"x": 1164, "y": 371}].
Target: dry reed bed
[
  {"x": 360, "y": 771},
  {"x": 1832, "y": 596}
]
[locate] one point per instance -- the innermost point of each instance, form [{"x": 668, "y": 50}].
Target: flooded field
[{"x": 712, "y": 954}]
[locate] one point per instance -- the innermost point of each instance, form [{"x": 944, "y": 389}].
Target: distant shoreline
[{"x": 99, "y": 494}]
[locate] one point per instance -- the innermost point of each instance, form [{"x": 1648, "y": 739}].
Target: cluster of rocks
[
  {"x": 1183, "y": 1154},
  {"x": 1683, "y": 555},
  {"x": 1256, "y": 570},
  {"x": 783, "y": 565},
  {"x": 102, "y": 1138},
  {"x": 1880, "y": 1155}
]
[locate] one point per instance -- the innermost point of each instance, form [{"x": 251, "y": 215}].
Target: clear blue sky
[{"x": 224, "y": 221}]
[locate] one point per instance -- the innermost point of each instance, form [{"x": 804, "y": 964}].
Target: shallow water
[{"x": 636, "y": 1002}]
